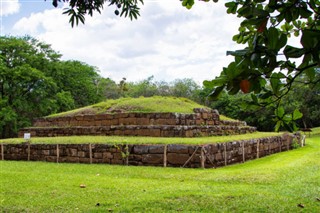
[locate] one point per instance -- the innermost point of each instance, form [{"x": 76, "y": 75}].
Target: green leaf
[
  {"x": 256, "y": 59},
  {"x": 219, "y": 81},
  {"x": 254, "y": 98},
  {"x": 188, "y": 3},
  {"x": 296, "y": 114},
  {"x": 305, "y": 13},
  {"x": 310, "y": 38},
  {"x": 311, "y": 73},
  {"x": 238, "y": 52},
  {"x": 293, "y": 52},
  {"x": 216, "y": 93},
  {"x": 277, "y": 127},
  {"x": 266, "y": 95},
  {"x": 287, "y": 127},
  {"x": 208, "y": 84},
  {"x": 275, "y": 82},
  {"x": 232, "y": 7},
  {"x": 273, "y": 35},
  {"x": 279, "y": 112}
]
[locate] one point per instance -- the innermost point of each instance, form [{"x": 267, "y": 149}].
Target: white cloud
[
  {"x": 167, "y": 41},
  {"x": 9, "y": 7}
]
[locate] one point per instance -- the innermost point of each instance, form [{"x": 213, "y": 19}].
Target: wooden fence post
[
  {"x": 58, "y": 153},
  {"x": 28, "y": 150},
  {"x": 203, "y": 157},
  {"x": 2, "y": 152},
  {"x": 90, "y": 153},
  {"x": 258, "y": 148},
  {"x": 243, "y": 153},
  {"x": 303, "y": 141},
  {"x": 127, "y": 154},
  {"x": 225, "y": 153},
  {"x": 165, "y": 155}
]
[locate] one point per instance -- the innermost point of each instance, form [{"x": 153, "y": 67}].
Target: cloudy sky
[{"x": 167, "y": 41}]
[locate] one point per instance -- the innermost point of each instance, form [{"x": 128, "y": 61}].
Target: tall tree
[
  {"x": 146, "y": 88},
  {"x": 187, "y": 88},
  {"x": 80, "y": 79},
  {"x": 34, "y": 83},
  {"x": 25, "y": 91}
]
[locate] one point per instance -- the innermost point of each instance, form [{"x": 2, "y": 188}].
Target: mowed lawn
[{"x": 284, "y": 182}]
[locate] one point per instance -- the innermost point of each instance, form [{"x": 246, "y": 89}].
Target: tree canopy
[
  {"x": 34, "y": 82},
  {"x": 269, "y": 63}
]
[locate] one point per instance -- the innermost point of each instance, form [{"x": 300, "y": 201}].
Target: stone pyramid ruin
[{"x": 202, "y": 122}]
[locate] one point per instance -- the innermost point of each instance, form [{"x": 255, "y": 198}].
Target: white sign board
[{"x": 27, "y": 136}]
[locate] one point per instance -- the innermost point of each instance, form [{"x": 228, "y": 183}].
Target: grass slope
[
  {"x": 277, "y": 183},
  {"x": 141, "y": 104}
]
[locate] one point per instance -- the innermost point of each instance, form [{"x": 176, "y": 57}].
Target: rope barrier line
[
  {"x": 191, "y": 157},
  {"x": 207, "y": 155}
]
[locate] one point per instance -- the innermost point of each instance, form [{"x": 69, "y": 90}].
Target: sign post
[{"x": 27, "y": 137}]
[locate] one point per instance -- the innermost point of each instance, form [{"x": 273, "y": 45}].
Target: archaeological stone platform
[
  {"x": 166, "y": 155},
  {"x": 203, "y": 122}
]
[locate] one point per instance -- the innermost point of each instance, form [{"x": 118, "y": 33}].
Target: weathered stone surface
[
  {"x": 107, "y": 155},
  {"x": 72, "y": 159},
  {"x": 51, "y": 159},
  {"x": 84, "y": 160},
  {"x": 152, "y": 158},
  {"x": 181, "y": 149},
  {"x": 140, "y": 149},
  {"x": 97, "y": 155},
  {"x": 117, "y": 161},
  {"x": 72, "y": 152},
  {"x": 135, "y": 158},
  {"x": 156, "y": 149},
  {"x": 177, "y": 159},
  {"x": 125, "y": 124}
]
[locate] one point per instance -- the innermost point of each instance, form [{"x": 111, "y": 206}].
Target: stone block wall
[
  {"x": 150, "y": 131},
  {"x": 173, "y": 155},
  {"x": 203, "y": 122},
  {"x": 200, "y": 117}
]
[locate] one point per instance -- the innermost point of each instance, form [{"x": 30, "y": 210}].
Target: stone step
[{"x": 139, "y": 130}]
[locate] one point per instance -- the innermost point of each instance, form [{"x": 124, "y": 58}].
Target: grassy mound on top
[{"x": 141, "y": 104}]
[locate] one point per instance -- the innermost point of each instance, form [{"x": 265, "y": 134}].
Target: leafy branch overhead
[
  {"x": 78, "y": 9},
  {"x": 268, "y": 65}
]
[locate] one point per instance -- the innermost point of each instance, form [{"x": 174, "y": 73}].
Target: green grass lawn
[
  {"x": 138, "y": 140},
  {"x": 141, "y": 104},
  {"x": 277, "y": 183}
]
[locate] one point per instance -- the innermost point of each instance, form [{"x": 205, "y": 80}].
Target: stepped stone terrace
[{"x": 203, "y": 122}]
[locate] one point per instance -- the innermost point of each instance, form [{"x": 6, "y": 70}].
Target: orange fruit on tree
[{"x": 245, "y": 86}]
